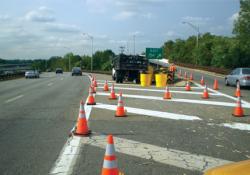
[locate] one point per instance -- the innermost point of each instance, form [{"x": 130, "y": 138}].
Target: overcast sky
[{"x": 31, "y": 29}]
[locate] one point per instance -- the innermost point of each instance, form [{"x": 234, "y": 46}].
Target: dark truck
[{"x": 128, "y": 67}]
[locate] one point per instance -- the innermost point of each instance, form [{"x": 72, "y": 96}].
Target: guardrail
[{"x": 11, "y": 71}]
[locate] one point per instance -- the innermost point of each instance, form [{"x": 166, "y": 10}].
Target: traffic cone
[
  {"x": 202, "y": 81},
  {"x": 94, "y": 82},
  {"x": 216, "y": 86},
  {"x": 238, "y": 110},
  {"x": 205, "y": 93},
  {"x": 185, "y": 76},
  {"x": 167, "y": 94},
  {"x": 93, "y": 88},
  {"x": 188, "y": 87},
  {"x": 112, "y": 93},
  {"x": 237, "y": 92},
  {"x": 179, "y": 74},
  {"x": 82, "y": 125},
  {"x": 110, "y": 163},
  {"x": 106, "y": 86},
  {"x": 191, "y": 78},
  {"x": 120, "y": 111},
  {"x": 91, "y": 98}
]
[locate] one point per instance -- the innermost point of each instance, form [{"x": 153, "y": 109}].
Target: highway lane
[
  {"x": 35, "y": 126},
  {"x": 209, "y": 79}
]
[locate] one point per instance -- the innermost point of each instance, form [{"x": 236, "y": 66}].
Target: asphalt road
[
  {"x": 183, "y": 136},
  {"x": 36, "y": 116}
]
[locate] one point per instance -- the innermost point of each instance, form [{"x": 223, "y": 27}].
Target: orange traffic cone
[
  {"x": 91, "y": 98},
  {"x": 238, "y": 110},
  {"x": 167, "y": 94},
  {"x": 82, "y": 125},
  {"x": 94, "y": 82},
  {"x": 205, "y": 93},
  {"x": 191, "y": 78},
  {"x": 237, "y": 92},
  {"x": 106, "y": 86},
  {"x": 112, "y": 93},
  {"x": 179, "y": 74},
  {"x": 202, "y": 81},
  {"x": 120, "y": 111},
  {"x": 216, "y": 86},
  {"x": 185, "y": 76},
  {"x": 188, "y": 87},
  {"x": 110, "y": 163},
  {"x": 93, "y": 88}
]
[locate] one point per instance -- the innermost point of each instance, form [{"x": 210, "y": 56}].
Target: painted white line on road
[
  {"x": 158, "y": 90},
  {"x": 225, "y": 95},
  {"x": 61, "y": 78},
  {"x": 70, "y": 152},
  {"x": 179, "y": 100},
  {"x": 50, "y": 84},
  {"x": 14, "y": 99},
  {"x": 173, "y": 157},
  {"x": 151, "y": 113},
  {"x": 103, "y": 81},
  {"x": 240, "y": 126},
  {"x": 136, "y": 85}
]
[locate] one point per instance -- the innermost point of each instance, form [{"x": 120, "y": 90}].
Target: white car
[
  {"x": 32, "y": 74},
  {"x": 238, "y": 75}
]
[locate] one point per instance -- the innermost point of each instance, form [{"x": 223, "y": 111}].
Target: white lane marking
[
  {"x": 103, "y": 81},
  {"x": 240, "y": 126},
  {"x": 61, "y": 78},
  {"x": 50, "y": 84},
  {"x": 151, "y": 113},
  {"x": 14, "y": 99},
  {"x": 71, "y": 150},
  {"x": 158, "y": 90},
  {"x": 173, "y": 157},
  {"x": 202, "y": 102},
  {"x": 136, "y": 85},
  {"x": 225, "y": 95}
]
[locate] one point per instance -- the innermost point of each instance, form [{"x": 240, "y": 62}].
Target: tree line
[{"x": 215, "y": 51}]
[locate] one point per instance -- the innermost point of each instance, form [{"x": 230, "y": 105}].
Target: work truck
[{"x": 128, "y": 67}]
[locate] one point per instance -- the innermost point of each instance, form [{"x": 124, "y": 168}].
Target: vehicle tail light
[{"x": 246, "y": 78}]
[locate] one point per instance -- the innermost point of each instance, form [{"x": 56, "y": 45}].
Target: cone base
[
  {"x": 112, "y": 98},
  {"x": 237, "y": 115},
  {"x": 120, "y": 115},
  {"x": 91, "y": 103},
  {"x": 105, "y": 90},
  {"x": 82, "y": 134},
  {"x": 167, "y": 98}
]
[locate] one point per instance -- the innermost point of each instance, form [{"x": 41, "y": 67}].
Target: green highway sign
[{"x": 154, "y": 53}]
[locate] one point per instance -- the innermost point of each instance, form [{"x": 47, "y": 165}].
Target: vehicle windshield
[{"x": 246, "y": 71}]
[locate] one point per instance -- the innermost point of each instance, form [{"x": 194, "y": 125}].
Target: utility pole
[{"x": 134, "y": 43}]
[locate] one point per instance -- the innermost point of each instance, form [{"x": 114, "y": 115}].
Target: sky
[{"x": 39, "y": 29}]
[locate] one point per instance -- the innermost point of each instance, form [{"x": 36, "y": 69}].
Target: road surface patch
[
  {"x": 158, "y": 154},
  {"x": 151, "y": 113}
]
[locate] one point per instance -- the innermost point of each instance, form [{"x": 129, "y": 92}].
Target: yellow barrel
[
  {"x": 144, "y": 79},
  {"x": 161, "y": 80}
]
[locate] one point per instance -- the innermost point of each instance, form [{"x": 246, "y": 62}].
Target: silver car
[
  {"x": 238, "y": 75},
  {"x": 32, "y": 74}
]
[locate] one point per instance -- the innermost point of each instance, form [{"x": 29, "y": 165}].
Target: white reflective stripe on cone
[
  {"x": 109, "y": 164},
  {"x": 110, "y": 150}
]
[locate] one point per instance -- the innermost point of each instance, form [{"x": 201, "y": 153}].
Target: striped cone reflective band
[
  {"x": 82, "y": 125},
  {"x": 188, "y": 87},
  {"x": 91, "y": 98},
  {"x": 93, "y": 89},
  {"x": 237, "y": 92},
  {"x": 120, "y": 111},
  {"x": 185, "y": 76},
  {"x": 167, "y": 94},
  {"x": 106, "y": 87},
  {"x": 179, "y": 74},
  {"x": 94, "y": 82},
  {"x": 112, "y": 93},
  {"x": 110, "y": 162},
  {"x": 202, "y": 81},
  {"x": 238, "y": 110},
  {"x": 205, "y": 93}
]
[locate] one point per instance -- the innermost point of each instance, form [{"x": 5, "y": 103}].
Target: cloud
[
  {"x": 124, "y": 15},
  {"x": 43, "y": 14},
  {"x": 4, "y": 17},
  {"x": 234, "y": 17},
  {"x": 197, "y": 20},
  {"x": 136, "y": 33},
  {"x": 62, "y": 28}
]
